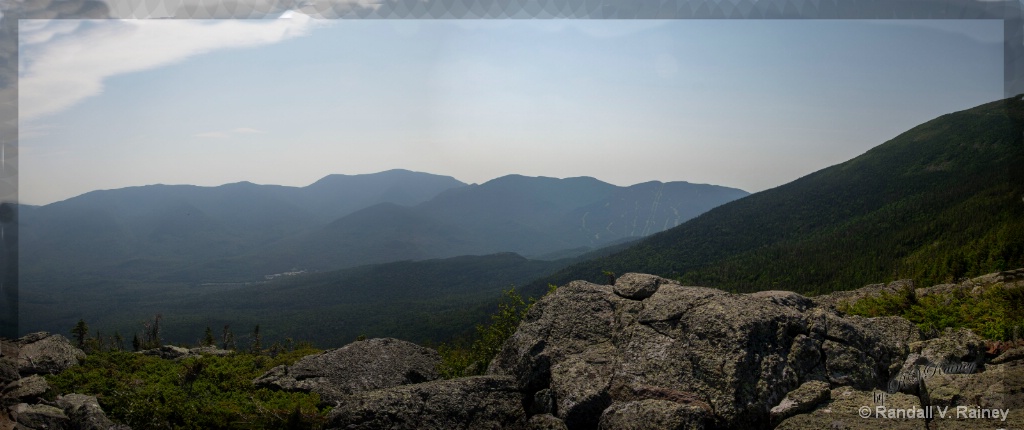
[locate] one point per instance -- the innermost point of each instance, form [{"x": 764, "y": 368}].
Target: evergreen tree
[
  {"x": 136, "y": 343},
  {"x": 81, "y": 330},
  {"x": 118, "y": 341},
  {"x": 208, "y": 337}
]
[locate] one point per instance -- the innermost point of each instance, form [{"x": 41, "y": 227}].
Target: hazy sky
[{"x": 747, "y": 104}]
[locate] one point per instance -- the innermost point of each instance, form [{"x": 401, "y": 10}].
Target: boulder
[
  {"x": 935, "y": 361},
  {"x": 997, "y": 387},
  {"x": 1013, "y": 354},
  {"x": 39, "y": 417},
  {"x": 8, "y": 369},
  {"x": 84, "y": 412},
  {"x": 360, "y": 366},
  {"x": 803, "y": 399},
  {"x": 9, "y": 351},
  {"x": 652, "y": 414},
  {"x": 45, "y": 353},
  {"x": 637, "y": 286},
  {"x": 738, "y": 354},
  {"x": 545, "y": 422},
  {"x": 25, "y": 390},
  {"x": 478, "y": 402},
  {"x": 850, "y": 408},
  {"x": 210, "y": 350},
  {"x": 839, "y": 299},
  {"x": 169, "y": 352}
]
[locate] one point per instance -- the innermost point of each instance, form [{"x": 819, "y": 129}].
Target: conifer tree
[
  {"x": 81, "y": 330},
  {"x": 208, "y": 337}
]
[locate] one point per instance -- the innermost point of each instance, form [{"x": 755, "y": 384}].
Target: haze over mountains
[
  {"x": 242, "y": 232},
  {"x": 941, "y": 201},
  {"x": 176, "y": 249}
]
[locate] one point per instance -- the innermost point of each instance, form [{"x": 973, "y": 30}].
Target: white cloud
[
  {"x": 62, "y": 65},
  {"x": 36, "y": 31}
]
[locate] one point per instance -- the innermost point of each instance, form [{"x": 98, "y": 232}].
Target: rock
[
  {"x": 9, "y": 352},
  {"x": 932, "y": 361},
  {"x": 842, "y": 298},
  {"x": 25, "y": 390},
  {"x": 478, "y": 402},
  {"x": 360, "y": 366},
  {"x": 738, "y": 354},
  {"x": 1010, "y": 355},
  {"x": 579, "y": 385},
  {"x": 543, "y": 402},
  {"x": 786, "y": 298},
  {"x": 637, "y": 286},
  {"x": 169, "y": 352},
  {"x": 545, "y": 422},
  {"x": 862, "y": 352},
  {"x": 40, "y": 417},
  {"x": 845, "y": 409},
  {"x": 210, "y": 350},
  {"x": 652, "y": 414},
  {"x": 999, "y": 386},
  {"x": 954, "y": 347},
  {"x": 803, "y": 399},
  {"x": 8, "y": 370},
  {"x": 84, "y": 412},
  {"x": 44, "y": 353}
]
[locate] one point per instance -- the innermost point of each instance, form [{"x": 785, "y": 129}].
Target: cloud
[
  {"x": 64, "y": 64},
  {"x": 228, "y": 133}
]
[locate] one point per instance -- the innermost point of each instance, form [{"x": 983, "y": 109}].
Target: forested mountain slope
[{"x": 939, "y": 202}]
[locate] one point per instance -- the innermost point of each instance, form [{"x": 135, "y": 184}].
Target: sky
[{"x": 750, "y": 104}]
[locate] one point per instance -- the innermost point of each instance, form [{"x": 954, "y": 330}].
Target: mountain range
[
  {"x": 118, "y": 257},
  {"x": 938, "y": 203},
  {"x": 243, "y": 231}
]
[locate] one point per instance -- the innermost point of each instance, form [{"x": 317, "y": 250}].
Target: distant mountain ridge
[
  {"x": 192, "y": 224},
  {"x": 200, "y": 255},
  {"x": 243, "y": 231},
  {"x": 942, "y": 201}
]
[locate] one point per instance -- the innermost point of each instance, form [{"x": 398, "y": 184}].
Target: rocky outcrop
[
  {"x": 45, "y": 353},
  {"x": 801, "y": 400},
  {"x": 840, "y": 298},
  {"x": 168, "y": 352},
  {"x": 39, "y": 416},
  {"x": 171, "y": 352},
  {"x": 30, "y": 389},
  {"x": 84, "y": 412},
  {"x": 360, "y": 366},
  {"x": 731, "y": 357},
  {"x": 479, "y": 402},
  {"x": 27, "y": 399},
  {"x": 844, "y": 411}
]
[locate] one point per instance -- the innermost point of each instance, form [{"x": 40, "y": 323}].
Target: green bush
[
  {"x": 207, "y": 392},
  {"x": 995, "y": 313}
]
